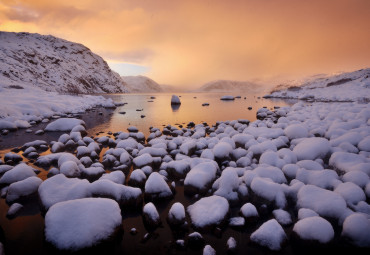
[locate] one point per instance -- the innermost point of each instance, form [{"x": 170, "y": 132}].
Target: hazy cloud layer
[{"x": 192, "y": 42}]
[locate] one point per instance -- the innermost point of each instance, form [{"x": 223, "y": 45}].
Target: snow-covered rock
[
  {"x": 356, "y": 228},
  {"x": 64, "y": 124},
  {"x": 312, "y": 148},
  {"x": 81, "y": 223},
  {"x": 208, "y": 211},
  {"x": 18, "y": 173},
  {"x": 314, "y": 229},
  {"x": 176, "y": 214},
  {"x": 156, "y": 187},
  {"x": 151, "y": 216},
  {"x": 23, "y": 189},
  {"x": 270, "y": 234},
  {"x": 175, "y": 100},
  {"x": 200, "y": 177}
]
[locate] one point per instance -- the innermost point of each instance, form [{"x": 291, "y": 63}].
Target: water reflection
[{"x": 175, "y": 107}]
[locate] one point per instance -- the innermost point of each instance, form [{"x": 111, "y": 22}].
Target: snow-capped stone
[
  {"x": 227, "y": 185},
  {"x": 356, "y": 228},
  {"x": 143, "y": 160},
  {"x": 236, "y": 222},
  {"x": 178, "y": 168},
  {"x": 283, "y": 217},
  {"x": 151, "y": 216},
  {"x": 18, "y": 173},
  {"x": 208, "y": 250},
  {"x": 23, "y": 189},
  {"x": 175, "y": 100},
  {"x": 314, "y": 229},
  {"x": 269, "y": 190},
  {"x": 64, "y": 124},
  {"x": 81, "y": 223},
  {"x": 14, "y": 209},
  {"x": 176, "y": 214},
  {"x": 116, "y": 177},
  {"x": 208, "y": 211},
  {"x": 231, "y": 244},
  {"x": 200, "y": 177},
  {"x": 137, "y": 178},
  {"x": 305, "y": 213},
  {"x": 60, "y": 188},
  {"x": 156, "y": 187},
  {"x": 270, "y": 234},
  {"x": 312, "y": 148},
  {"x": 70, "y": 169},
  {"x": 351, "y": 193},
  {"x": 249, "y": 211},
  {"x": 5, "y": 168}
]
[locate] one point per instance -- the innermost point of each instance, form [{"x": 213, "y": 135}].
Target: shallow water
[{"x": 25, "y": 234}]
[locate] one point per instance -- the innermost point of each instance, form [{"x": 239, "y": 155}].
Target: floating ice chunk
[
  {"x": 208, "y": 250},
  {"x": 296, "y": 131},
  {"x": 312, "y": 148},
  {"x": 325, "y": 202},
  {"x": 176, "y": 214},
  {"x": 326, "y": 179},
  {"x": 64, "y": 124},
  {"x": 200, "y": 177},
  {"x": 116, "y": 177},
  {"x": 314, "y": 229},
  {"x": 208, "y": 211},
  {"x": 269, "y": 190},
  {"x": 81, "y": 223},
  {"x": 283, "y": 217},
  {"x": 156, "y": 186},
  {"x": 270, "y": 234},
  {"x": 18, "y": 173},
  {"x": 350, "y": 192},
  {"x": 356, "y": 228},
  {"x": 228, "y": 185},
  {"x": 357, "y": 177},
  {"x": 60, "y": 188},
  {"x": 175, "y": 100},
  {"x": 22, "y": 189}
]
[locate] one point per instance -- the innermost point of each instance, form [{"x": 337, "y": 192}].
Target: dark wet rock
[
  {"x": 142, "y": 116},
  {"x": 5, "y": 132},
  {"x": 122, "y": 113},
  {"x": 205, "y": 104},
  {"x": 196, "y": 240},
  {"x": 133, "y": 231}
]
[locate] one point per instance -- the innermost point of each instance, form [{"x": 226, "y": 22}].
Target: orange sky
[{"x": 188, "y": 43}]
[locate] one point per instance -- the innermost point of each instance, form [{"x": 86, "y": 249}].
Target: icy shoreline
[
  {"x": 314, "y": 156},
  {"x": 20, "y": 107}
]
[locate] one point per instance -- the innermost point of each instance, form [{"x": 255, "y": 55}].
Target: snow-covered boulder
[
  {"x": 18, "y": 173},
  {"x": 200, "y": 178},
  {"x": 151, "y": 216},
  {"x": 270, "y": 234},
  {"x": 64, "y": 124},
  {"x": 351, "y": 193},
  {"x": 137, "y": 178},
  {"x": 249, "y": 212},
  {"x": 23, "y": 189},
  {"x": 208, "y": 250},
  {"x": 314, "y": 229},
  {"x": 115, "y": 176},
  {"x": 296, "y": 131},
  {"x": 156, "y": 187},
  {"x": 208, "y": 211},
  {"x": 176, "y": 214},
  {"x": 227, "y": 185},
  {"x": 81, "y": 223},
  {"x": 60, "y": 188},
  {"x": 178, "y": 168},
  {"x": 312, "y": 148},
  {"x": 282, "y": 216},
  {"x": 356, "y": 229},
  {"x": 124, "y": 195},
  {"x": 175, "y": 100}
]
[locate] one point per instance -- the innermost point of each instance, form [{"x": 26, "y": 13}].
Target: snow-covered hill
[
  {"x": 53, "y": 64},
  {"x": 141, "y": 84},
  {"x": 350, "y": 86},
  {"x": 231, "y": 86}
]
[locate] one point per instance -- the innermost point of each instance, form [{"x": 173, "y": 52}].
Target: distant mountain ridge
[
  {"x": 231, "y": 86},
  {"x": 54, "y": 64},
  {"x": 141, "y": 84},
  {"x": 346, "y": 86}
]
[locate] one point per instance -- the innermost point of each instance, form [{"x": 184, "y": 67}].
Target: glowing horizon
[{"x": 189, "y": 43}]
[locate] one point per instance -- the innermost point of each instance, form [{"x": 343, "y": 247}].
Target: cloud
[{"x": 187, "y": 43}]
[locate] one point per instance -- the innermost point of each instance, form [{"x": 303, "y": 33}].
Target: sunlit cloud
[
  {"x": 188, "y": 43},
  {"x": 128, "y": 69}
]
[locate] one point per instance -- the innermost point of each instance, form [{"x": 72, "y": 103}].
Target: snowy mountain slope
[
  {"x": 141, "y": 84},
  {"x": 227, "y": 85},
  {"x": 53, "y": 64},
  {"x": 350, "y": 86}
]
